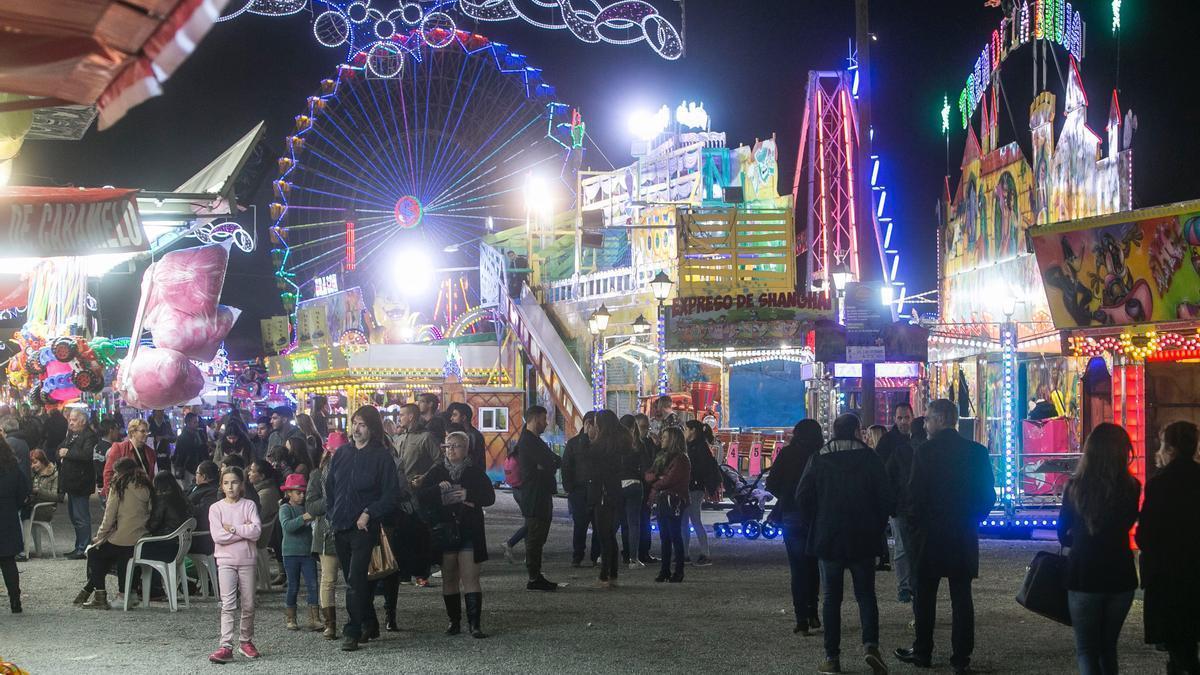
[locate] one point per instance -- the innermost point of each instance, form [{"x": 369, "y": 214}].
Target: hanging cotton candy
[
  {"x": 190, "y": 280},
  {"x": 197, "y": 336},
  {"x": 160, "y": 378}
]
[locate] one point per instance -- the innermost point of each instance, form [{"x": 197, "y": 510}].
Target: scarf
[{"x": 455, "y": 470}]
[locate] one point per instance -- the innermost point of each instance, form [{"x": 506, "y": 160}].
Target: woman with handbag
[
  {"x": 454, "y": 492},
  {"x": 1169, "y": 538},
  {"x": 1100, "y": 505},
  {"x": 668, "y": 480}
]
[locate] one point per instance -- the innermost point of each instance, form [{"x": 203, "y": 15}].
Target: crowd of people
[{"x": 327, "y": 505}]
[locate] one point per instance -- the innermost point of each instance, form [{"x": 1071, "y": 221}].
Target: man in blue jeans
[
  {"x": 845, "y": 499},
  {"x": 77, "y": 477}
]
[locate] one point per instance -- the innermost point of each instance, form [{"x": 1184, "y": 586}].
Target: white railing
[{"x": 621, "y": 281}]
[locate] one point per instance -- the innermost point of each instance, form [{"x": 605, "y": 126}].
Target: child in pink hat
[{"x": 296, "y": 525}]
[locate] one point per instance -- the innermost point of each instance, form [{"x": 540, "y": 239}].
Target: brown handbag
[{"x": 383, "y": 561}]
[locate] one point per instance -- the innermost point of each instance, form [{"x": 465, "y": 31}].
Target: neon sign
[
  {"x": 304, "y": 365},
  {"x": 326, "y": 285},
  {"x": 1052, "y": 20}
]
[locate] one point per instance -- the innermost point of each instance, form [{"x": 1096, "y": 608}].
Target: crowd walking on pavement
[{"x": 398, "y": 497}]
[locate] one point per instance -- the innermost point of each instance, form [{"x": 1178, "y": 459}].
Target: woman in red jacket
[{"x": 668, "y": 480}]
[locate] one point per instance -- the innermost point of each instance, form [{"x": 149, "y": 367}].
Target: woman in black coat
[
  {"x": 168, "y": 511},
  {"x": 454, "y": 493},
  {"x": 14, "y": 490},
  {"x": 1100, "y": 506},
  {"x": 600, "y": 469},
  {"x": 1169, "y": 538},
  {"x": 788, "y": 467}
]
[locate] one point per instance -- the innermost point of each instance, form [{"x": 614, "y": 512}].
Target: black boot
[
  {"x": 391, "y": 626},
  {"x": 454, "y": 611},
  {"x": 474, "y": 608}
]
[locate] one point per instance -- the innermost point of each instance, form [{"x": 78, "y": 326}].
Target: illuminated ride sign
[{"x": 1052, "y": 20}]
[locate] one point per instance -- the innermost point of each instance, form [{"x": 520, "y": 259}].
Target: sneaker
[
  {"x": 508, "y": 556},
  {"x": 830, "y": 666},
  {"x": 436, "y": 575},
  {"x": 76, "y": 555},
  {"x": 21, "y": 558},
  {"x": 703, "y": 561},
  {"x": 222, "y": 655},
  {"x": 248, "y": 650},
  {"x": 875, "y": 660},
  {"x": 541, "y": 584}
]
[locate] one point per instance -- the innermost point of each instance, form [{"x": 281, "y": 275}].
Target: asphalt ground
[{"x": 734, "y": 616}]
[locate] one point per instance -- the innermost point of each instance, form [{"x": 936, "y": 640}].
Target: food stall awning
[
  {"x": 52, "y": 222},
  {"x": 113, "y": 54}
]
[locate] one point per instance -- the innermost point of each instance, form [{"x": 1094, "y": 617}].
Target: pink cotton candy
[
  {"x": 190, "y": 279},
  {"x": 197, "y": 336},
  {"x": 160, "y": 378}
]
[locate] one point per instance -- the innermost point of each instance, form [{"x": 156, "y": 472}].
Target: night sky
[{"x": 747, "y": 60}]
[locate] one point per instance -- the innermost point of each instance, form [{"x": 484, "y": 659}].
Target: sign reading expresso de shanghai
[
  {"x": 743, "y": 321},
  {"x": 49, "y": 222}
]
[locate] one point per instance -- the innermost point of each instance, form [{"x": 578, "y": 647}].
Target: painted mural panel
[{"x": 1139, "y": 271}]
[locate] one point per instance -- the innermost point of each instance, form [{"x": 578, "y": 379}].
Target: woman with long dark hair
[
  {"x": 806, "y": 441},
  {"x": 600, "y": 468},
  {"x": 633, "y": 467},
  {"x": 1100, "y": 505},
  {"x": 705, "y": 480},
  {"x": 234, "y": 441},
  {"x": 668, "y": 479},
  {"x": 170, "y": 510},
  {"x": 126, "y": 514},
  {"x": 14, "y": 490},
  {"x": 1169, "y": 538}
]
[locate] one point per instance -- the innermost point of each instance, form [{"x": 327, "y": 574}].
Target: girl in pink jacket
[{"x": 235, "y": 527}]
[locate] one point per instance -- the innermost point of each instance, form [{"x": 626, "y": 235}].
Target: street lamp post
[
  {"x": 661, "y": 286},
  {"x": 1008, "y": 415},
  {"x": 596, "y": 326}
]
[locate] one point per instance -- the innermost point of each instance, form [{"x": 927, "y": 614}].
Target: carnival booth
[
  {"x": 997, "y": 348},
  {"x": 1125, "y": 290}
]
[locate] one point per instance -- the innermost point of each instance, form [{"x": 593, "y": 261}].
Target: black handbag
[
  {"x": 446, "y": 535},
  {"x": 1045, "y": 588}
]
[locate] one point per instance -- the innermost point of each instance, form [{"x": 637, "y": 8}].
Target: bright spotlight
[
  {"x": 413, "y": 271},
  {"x": 538, "y": 198},
  {"x": 647, "y": 126}
]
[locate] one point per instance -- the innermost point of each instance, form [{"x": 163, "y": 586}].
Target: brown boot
[
  {"x": 99, "y": 601},
  {"x": 314, "y": 618},
  {"x": 291, "y": 618},
  {"x": 330, "y": 614}
]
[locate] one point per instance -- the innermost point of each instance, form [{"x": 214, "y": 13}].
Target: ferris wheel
[{"x": 431, "y": 159}]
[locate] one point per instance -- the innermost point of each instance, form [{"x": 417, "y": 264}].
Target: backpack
[{"x": 512, "y": 471}]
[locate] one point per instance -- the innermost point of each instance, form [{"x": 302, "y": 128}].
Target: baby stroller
[{"x": 747, "y": 512}]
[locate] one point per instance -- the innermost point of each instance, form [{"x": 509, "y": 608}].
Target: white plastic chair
[
  {"x": 45, "y": 526},
  {"x": 206, "y": 570},
  {"x": 263, "y": 562},
  {"x": 170, "y": 571}
]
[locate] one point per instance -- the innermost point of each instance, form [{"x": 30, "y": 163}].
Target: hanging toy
[{"x": 64, "y": 349}]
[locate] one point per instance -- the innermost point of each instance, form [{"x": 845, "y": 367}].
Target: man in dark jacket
[
  {"x": 190, "y": 449},
  {"x": 77, "y": 477},
  {"x": 951, "y": 489},
  {"x": 538, "y": 464},
  {"x": 898, "y": 438},
  {"x": 361, "y": 493},
  {"x": 845, "y": 500},
  {"x": 462, "y": 415},
  {"x": 205, "y": 493},
  {"x": 576, "y": 489},
  {"x": 282, "y": 429}
]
